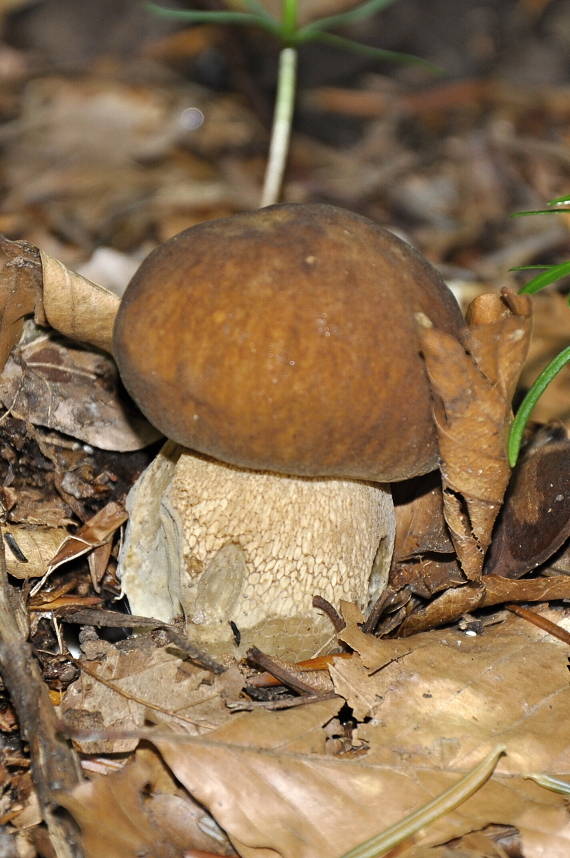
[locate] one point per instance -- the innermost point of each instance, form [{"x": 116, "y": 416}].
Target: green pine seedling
[
  {"x": 291, "y": 37},
  {"x": 550, "y": 274}
]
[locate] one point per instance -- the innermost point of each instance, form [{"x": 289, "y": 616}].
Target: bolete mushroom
[{"x": 279, "y": 349}]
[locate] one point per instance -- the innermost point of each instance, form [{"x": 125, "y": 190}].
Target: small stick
[
  {"x": 284, "y": 672},
  {"x": 287, "y": 703},
  {"x": 542, "y": 623},
  {"x": 331, "y": 612}
]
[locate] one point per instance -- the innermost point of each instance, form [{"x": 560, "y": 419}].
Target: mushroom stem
[
  {"x": 218, "y": 544},
  {"x": 281, "y": 130}
]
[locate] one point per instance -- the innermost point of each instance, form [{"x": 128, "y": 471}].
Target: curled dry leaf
[
  {"x": 424, "y": 559},
  {"x": 535, "y": 521},
  {"x": 31, "y": 282},
  {"x": 75, "y": 306},
  {"x": 94, "y": 534},
  {"x": 491, "y": 590},
  {"x": 20, "y": 287},
  {"x": 474, "y": 382}
]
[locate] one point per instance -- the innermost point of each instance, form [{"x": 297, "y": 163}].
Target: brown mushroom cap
[{"x": 285, "y": 340}]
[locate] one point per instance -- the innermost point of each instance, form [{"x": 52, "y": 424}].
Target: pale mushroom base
[{"x": 216, "y": 544}]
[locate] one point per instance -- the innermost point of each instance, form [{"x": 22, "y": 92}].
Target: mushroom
[{"x": 278, "y": 350}]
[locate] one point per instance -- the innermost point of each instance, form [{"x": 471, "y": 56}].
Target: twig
[
  {"x": 284, "y": 672},
  {"x": 112, "y": 619},
  {"x": 537, "y": 620},
  {"x": 192, "y": 652},
  {"x": 331, "y": 612},
  {"x": 283, "y": 703},
  {"x": 53, "y": 763}
]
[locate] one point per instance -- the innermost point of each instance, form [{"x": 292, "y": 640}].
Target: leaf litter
[{"x": 411, "y": 714}]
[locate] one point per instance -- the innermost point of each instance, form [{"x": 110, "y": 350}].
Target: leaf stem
[
  {"x": 540, "y": 384},
  {"x": 282, "y": 120}
]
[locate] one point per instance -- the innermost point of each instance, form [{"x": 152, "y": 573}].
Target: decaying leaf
[
  {"x": 135, "y": 676},
  {"x": 73, "y": 391},
  {"x": 29, "y": 549},
  {"x": 491, "y": 590},
  {"x": 474, "y": 382},
  {"x": 535, "y": 521},
  {"x": 20, "y": 285},
  {"x": 94, "y": 534},
  {"x": 141, "y": 810}
]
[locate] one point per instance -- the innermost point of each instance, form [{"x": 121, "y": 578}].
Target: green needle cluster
[{"x": 550, "y": 274}]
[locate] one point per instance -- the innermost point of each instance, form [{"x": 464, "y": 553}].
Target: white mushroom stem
[{"x": 218, "y": 544}]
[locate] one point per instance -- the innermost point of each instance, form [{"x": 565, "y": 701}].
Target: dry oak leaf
[
  {"x": 74, "y": 391},
  {"x": 272, "y": 801},
  {"x": 474, "y": 382},
  {"x": 33, "y": 283}
]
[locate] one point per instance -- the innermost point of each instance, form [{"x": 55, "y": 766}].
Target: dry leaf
[
  {"x": 112, "y": 816},
  {"x": 20, "y": 285},
  {"x": 73, "y": 391},
  {"x": 93, "y": 534},
  {"x": 264, "y": 777},
  {"x": 474, "y": 383},
  {"x": 491, "y": 590},
  {"x": 75, "y": 306},
  {"x": 30, "y": 549},
  {"x": 144, "y": 675},
  {"x": 420, "y": 525},
  {"x": 535, "y": 521}
]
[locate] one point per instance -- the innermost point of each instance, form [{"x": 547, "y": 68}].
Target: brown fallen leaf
[
  {"x": 95, "y": 534},
  {"x": 491, "y": 590},
  {"x": 265, "y": 779},
  {"x": 115, "y": 816},
  {"x": 75, "y": 306},
  {"x": 121, "y": 682},
  {"x": 420, "y": 525},
  {"x": 474, "y": 382},
  {"x": 142, "y": 810},
  {"x": 29, "y": 549},
  {"x": 20, "y": 285},
  {"x": 74, "y": 391},
  {"x": 535, "y": 521}
]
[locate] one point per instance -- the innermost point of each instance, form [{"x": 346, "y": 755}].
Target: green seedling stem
[
  {"x": 281, "y": 130},
  {"x": 291, "y": 36},
  {"x": 550, "y": 274},
  {"x": 539, "y": 386}
]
